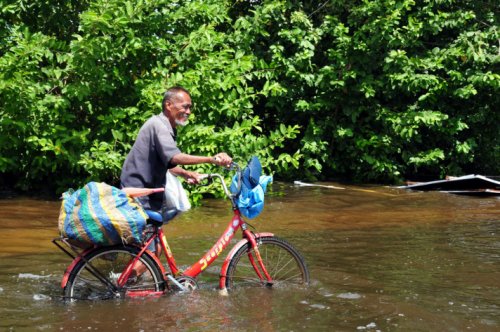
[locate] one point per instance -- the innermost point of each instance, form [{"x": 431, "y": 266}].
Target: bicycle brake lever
[{"x": 233, "y": 166}]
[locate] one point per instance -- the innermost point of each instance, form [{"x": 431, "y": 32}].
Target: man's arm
[
  {"x": 187, "y": 159},
  {"x": 220, "y": 159},
  {"x": 179, "y": 171}
]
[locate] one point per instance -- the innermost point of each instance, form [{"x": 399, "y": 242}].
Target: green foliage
[{"x": 363, "y": 90}]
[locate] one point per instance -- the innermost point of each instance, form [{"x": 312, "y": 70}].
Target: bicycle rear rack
[{"x": 77, "y": 250}]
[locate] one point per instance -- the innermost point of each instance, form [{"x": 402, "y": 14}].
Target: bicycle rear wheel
[
  {"x": 95, "y": 277},
  {"x": 283, "y": 262}
]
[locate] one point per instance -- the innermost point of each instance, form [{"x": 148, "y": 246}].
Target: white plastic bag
[{"x": 175, "y": 199}]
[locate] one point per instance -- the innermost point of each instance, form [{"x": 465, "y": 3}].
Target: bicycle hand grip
[
  {"x": 204, "y": 176},
  {"x": 231, "y": 166}
]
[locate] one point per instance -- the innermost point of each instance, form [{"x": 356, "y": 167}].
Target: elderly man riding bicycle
[{"x": 155, "y": 150}]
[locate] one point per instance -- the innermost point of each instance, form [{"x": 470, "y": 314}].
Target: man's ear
[{"x": 167, "y": 104}]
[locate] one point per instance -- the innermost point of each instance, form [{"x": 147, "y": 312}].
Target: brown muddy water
[{"x": 381, "y": 259}]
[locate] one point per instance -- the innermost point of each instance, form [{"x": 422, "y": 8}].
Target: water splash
[
  {"x": 41, "y": 297},
  {"x": 349, "y": 296},
  {"x": 32, "y": 276}
]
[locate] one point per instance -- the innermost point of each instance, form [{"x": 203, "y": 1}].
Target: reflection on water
[{"x": 380, "y": 259}]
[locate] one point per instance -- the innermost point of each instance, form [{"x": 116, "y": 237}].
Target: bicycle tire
[
  {"x": 109, "y": 262},
  {"x": 284, "y": 263}
]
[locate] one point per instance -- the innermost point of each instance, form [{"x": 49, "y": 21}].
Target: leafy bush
[{"x": 361, "y": 90}]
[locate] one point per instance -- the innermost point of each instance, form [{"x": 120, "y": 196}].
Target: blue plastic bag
[{"x": 250, "y": 199}]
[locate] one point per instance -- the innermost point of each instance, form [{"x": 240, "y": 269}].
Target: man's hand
[
  {"x": 222, "y": 159},
  {"x": 192, "y": 177}
]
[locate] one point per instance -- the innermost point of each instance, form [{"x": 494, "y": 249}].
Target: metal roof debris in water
[{"x": 472, "y": 184}]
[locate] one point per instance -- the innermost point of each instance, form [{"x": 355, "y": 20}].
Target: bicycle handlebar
[{"x": 221, "y": 178}]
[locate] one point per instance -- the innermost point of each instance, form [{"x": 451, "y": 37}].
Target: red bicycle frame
[
  {"x": 211, "y": 255},
  {"x": 206, "y": 260}
]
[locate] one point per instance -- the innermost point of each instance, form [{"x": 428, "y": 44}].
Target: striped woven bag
[{"x": 100, "y": 214}]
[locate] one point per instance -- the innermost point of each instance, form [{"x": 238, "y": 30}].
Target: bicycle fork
[{"x": 254, "y": 247}]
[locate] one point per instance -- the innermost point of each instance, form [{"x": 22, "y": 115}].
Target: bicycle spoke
[
  {"x": 295, "y": 278},
  {"x": 283, "y": 263},
  {"x": 248, "y": 281},
  {"x": 278, "y": 266},
  {"x": 275, "y": 273},
  {"x": 96, "y": 276}
]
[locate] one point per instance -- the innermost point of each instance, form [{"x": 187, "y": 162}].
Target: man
[{"x": 155, "y": 150}]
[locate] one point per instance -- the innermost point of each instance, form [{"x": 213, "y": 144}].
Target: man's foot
[{"x": 133, "y": 279}]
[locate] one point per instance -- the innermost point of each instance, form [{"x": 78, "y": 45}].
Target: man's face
[{"x": 179, "y": 108}]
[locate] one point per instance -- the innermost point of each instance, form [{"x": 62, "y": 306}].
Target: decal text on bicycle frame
[{"x": 219, "y": 246}]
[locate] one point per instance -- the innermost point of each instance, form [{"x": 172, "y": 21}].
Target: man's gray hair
[{"x": 171, "y": 93}]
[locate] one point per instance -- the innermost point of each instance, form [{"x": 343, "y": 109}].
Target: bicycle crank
[{"x": 187, "y": 283}]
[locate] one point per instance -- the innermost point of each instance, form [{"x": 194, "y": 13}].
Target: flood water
[{"x": 380, "y": 259}]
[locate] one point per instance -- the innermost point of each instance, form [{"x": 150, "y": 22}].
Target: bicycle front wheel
[
  {"x": 95, "y": 277},
  {"x": 283, "y": 262}
]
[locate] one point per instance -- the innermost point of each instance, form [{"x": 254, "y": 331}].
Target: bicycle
[{"x": 132, "y": 270}]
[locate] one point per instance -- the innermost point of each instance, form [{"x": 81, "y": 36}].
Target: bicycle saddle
[{"x": 154, "y": 215}]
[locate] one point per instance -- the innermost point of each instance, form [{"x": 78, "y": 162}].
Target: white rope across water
[
  {"x": 300, "y": 183},
  {"x": 304, "y": 184}
]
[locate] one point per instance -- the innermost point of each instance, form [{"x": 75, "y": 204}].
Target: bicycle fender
[
  {"x": 230, "y": 255},
  {"x": 71, "y": 266}
]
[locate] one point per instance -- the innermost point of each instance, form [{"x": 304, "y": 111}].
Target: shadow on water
[{"x": 380, "y": 259}]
